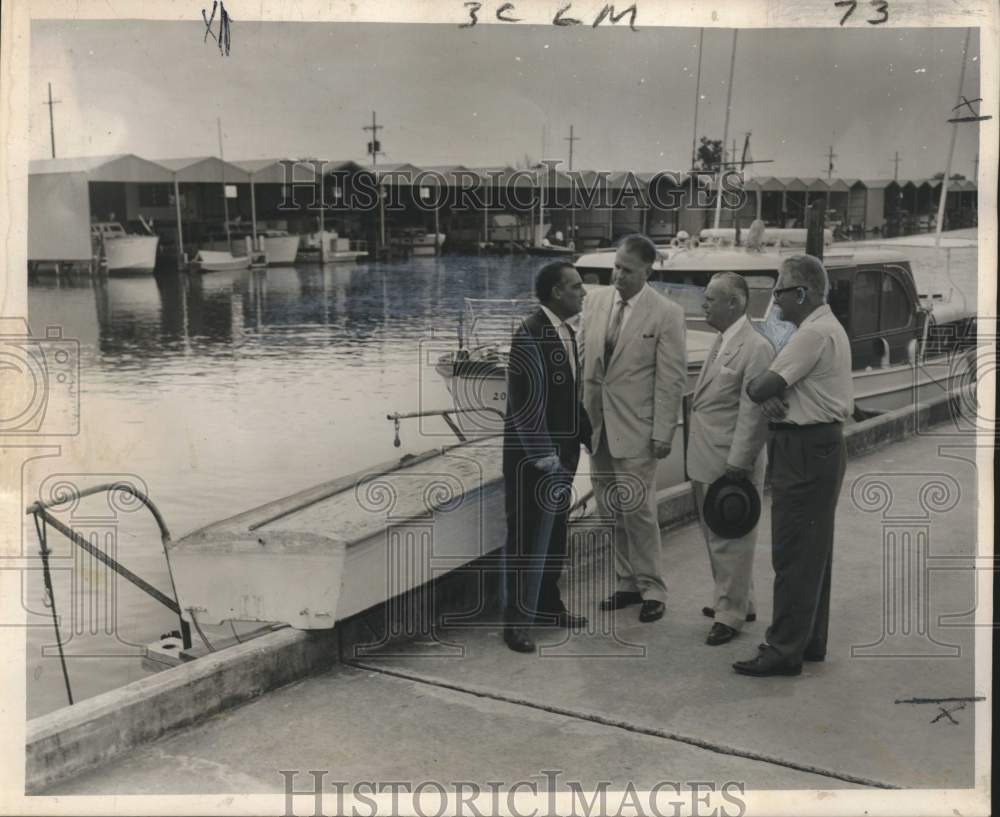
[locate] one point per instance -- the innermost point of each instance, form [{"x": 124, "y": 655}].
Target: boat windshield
[
  {"x": 687, "y": 289},
  {"x": 689, "y": 295}
]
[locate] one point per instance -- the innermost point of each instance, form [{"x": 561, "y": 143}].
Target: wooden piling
[{"x": 815, "y": 220}]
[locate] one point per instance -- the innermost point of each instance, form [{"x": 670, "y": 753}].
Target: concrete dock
[{"x": 893, "y": 706}]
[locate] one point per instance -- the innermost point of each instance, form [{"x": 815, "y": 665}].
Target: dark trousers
[
  {"x": 534, "y": 553},
  {"x": 807, "y": 470}
]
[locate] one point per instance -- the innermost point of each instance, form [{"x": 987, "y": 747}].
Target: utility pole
[
  {"x": 829, "y": 163},
  {"x": 52, "y": 127},
  {"x": 697, "y": 99},
  {"x": 975, "y": 169},
  {"x": 572, "y": 217},
  {"x": 374, "y": 149},
  {"x": 951, "y": 147},
  {"x": 895, "y": 167}
]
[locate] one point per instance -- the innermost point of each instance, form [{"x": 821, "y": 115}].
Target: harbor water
[{"x": 218, "y": 392}]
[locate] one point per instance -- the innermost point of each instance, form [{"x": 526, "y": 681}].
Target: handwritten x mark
[
  {"x": 208, "y": 22},
  {"x": 946, "y": 713},
  {"x": 968, "y": 104}
]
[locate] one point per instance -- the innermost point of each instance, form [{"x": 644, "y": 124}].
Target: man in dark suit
[{"x": 543, "y": 429}]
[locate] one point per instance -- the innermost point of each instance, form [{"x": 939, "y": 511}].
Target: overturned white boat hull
[{"x": 327, "y": 553}]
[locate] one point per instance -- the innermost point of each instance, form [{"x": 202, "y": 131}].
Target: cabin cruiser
[
  {"x": 124, "y": 253},
  {"x": 902, "y": 342}
]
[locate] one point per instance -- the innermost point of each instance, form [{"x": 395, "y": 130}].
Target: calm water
[{"x": 223, "y": 392}]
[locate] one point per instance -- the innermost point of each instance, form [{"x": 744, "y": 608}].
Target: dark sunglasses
[{"x": 777, "y": 293}]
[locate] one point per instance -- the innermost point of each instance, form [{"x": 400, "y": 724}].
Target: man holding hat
[
  {"x": 807, "y": 394},
  {"x": 726, "y": 438}
]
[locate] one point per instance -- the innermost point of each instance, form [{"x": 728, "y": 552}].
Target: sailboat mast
[
  {"x": 725, "y": 132},
  {"x": 225, "y": 202}
]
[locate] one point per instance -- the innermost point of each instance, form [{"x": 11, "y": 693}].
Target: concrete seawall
[{"x": 68, "y": 741}]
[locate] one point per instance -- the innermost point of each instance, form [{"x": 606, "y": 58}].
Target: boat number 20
[{"x": 881, "y": 8}]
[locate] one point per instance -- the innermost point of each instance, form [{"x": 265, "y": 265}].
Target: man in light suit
[
  {"x": 632, "y": 344},
  {"x": 726, "y": 436}
]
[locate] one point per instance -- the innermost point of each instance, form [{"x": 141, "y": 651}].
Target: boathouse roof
[
  {"x": 209, "y": 169},
  {"x": 120, "y": 167}
]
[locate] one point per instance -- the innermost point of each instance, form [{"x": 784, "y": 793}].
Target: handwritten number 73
[{"x": 881, "y": 8}]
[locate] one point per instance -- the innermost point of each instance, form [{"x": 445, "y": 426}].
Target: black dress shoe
[
  {"x": 720, "y": 634},
  {"x": 651, "y": 610},
  {"x": 767, "y": 662},
  {"x": 809, "y": 655},
  {"x": 561, "y": 618},
  {"x": 709, "y": 612},
  {"x": 518, "y": 639},
  {"x": 619, "y": 599}
]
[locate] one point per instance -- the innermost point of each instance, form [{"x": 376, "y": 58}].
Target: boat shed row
[
  {"x": 189, "y": 202},
  {"x": 194, "y": 202}
]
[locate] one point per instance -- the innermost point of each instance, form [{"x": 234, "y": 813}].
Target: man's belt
[{"x": 804, "y": 427}]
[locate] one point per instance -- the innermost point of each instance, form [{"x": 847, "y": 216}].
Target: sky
[{"x": 494, "y": 95}]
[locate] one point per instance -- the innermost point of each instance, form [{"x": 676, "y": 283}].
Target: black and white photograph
[{"x": 498, "y": 408}]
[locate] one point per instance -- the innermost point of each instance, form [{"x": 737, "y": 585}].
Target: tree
[
  {"x": 954, "y": 176},
  {"x": 709, "y": 154}
]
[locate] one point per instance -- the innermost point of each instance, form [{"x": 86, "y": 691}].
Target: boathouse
[
  {"x": 183, "y": 200},
  {"x": 65, "y": 196}
]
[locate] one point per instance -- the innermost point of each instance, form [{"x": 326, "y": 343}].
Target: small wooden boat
[
  {"x": 219, "y": 261},
  {"x": 552, "y": 250}
]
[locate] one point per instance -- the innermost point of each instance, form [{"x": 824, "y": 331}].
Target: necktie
[
  {"x": 574, "y": 357},
  {"x": 614, "y": 331},
  {"x": 715, "y": 353}
]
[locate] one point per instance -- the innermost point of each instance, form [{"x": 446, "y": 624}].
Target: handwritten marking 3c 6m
[{"x": 505, "y": 13}]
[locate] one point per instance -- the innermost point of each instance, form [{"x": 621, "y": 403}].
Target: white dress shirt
[
  {"x": 730, "y": 333},
  {"x": 629, "y": 307},
  {"x": 563, "y": 330}
]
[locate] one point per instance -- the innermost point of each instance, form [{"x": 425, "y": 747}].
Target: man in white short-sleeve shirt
[{"x": 807, "y": 394}]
